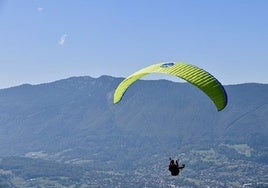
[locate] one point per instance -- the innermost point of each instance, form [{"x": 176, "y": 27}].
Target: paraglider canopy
[{"x": 192, "y": 74}]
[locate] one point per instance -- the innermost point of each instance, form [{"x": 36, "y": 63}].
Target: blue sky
[{"x": 48, "y": 40}]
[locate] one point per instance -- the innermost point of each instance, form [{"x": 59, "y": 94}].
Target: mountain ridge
[
  {"x": 73, "y": 124},
  {"x": 68, "y": 111}
]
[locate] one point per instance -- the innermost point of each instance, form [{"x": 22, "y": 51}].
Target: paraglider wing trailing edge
[{"x": 190, "y": 73}]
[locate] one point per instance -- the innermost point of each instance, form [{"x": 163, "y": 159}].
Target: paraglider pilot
[{"x": 174, "y": 168}]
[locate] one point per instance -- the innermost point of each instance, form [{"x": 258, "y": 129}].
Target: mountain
[{"x": 74, "y": 121}]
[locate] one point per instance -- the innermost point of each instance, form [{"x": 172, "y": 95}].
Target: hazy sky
[{"x": 47, "y": 40}]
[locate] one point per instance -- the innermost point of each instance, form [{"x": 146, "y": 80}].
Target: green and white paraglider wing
[{"x": 192, "y": 74}]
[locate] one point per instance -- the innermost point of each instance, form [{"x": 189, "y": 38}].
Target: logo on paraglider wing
[{"x": 166, "y": 65}]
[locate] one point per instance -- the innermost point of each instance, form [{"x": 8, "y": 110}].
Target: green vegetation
[
  {"x": 70, "y": 134},
  {"x": 203, "y": 168}
]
